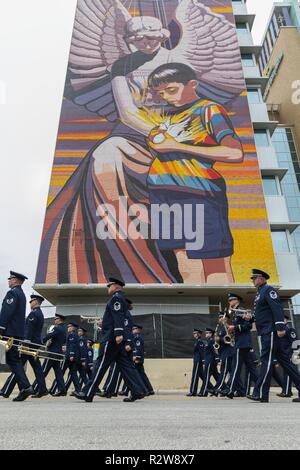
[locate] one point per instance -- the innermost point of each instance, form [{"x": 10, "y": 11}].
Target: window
[
  {"x": 270, "y": 186},
  {"x": 261, "y": 138},
  {"x": 254, "y": 96},
  {"x": 242, "y": 27},
  {"x": 248, "y": 60},
  {"x": 280, "y": 241}
]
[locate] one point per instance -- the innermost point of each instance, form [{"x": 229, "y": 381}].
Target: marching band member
[
  {"x": 287, "y": 343},
  {"x": 197, "y": 373},
  {"x": 271, "y": 328},
  {"x": 113, "y": 346},
  {"x": 139, "y": 357},
  {"x": 33, "y": 331},
  {"x": 56, "y": 340},
  {"x": 12, "y": 324},
  {"x": 210, "y": 366},
  {"x": 241, "y": 328},
  {"x": 225, "y": 352}
]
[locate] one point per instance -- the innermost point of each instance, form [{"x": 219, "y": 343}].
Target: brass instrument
[
  {"x": 296, "y": 357},
  {"x": 240, "y": 312},
  {"x": 38, "y": 351},
  {"x": 229, "y": 337},
  {"x": 6, "y": 342}
]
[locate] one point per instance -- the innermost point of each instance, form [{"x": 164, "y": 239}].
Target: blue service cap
[
  {"x": 233, "y": 296},
  {"x": 259, "y": 273},
  {"x": 209, "y": 330},
  {"x": 19, "y": 276},
  {"x": 114, "y": 280},
  {"x": 37, "y": 297}
]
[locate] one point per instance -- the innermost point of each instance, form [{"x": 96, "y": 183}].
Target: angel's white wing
[
  {"x": 210, "y": 46},
  {"x": 97, "y": 42}
]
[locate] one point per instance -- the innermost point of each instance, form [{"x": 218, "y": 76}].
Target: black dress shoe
[
  {"x": 151, "y": 393},
  {"x": 24, "y": 394},
  {"x": 59, "y": 394},
  {"x": 230, "y": 395},
  {"x": 83, "y": 397},
  {"x": 122, "y": 394},
  {"x": 103, "y": 395},
  {"x": 253, "y": 397},
  {"x": 4, "y": 395},
  {"x": 40, "y": 395},
  {"x": 296, "y": 400},
  {"x": 133, "y": 398},
  {"x": 283, "y": 395},
  {"x": 190, "y": 394}
]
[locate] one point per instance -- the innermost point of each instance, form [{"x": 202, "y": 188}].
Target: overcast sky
[{"x": 34, "y": 45}]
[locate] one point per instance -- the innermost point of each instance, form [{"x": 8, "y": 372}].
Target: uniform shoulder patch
[
  {"x": 117, "y": 306},
  {"x": 293, "y": 335},
  {"x": 273, "y": 294},
  {"x": 10, "y": 301}
]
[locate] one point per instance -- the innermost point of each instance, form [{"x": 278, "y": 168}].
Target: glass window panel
[
  {"x": 270, "y": 186},
  {"x": 280, "y": 241}
]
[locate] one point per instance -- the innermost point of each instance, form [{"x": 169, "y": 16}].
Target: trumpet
[{"x": 240, "y": 312}]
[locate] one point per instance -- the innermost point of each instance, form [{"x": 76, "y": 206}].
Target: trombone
[{"x": 34, "y": 350}]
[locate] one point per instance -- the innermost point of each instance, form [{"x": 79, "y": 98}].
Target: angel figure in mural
[{"x": 115, "y": 71}]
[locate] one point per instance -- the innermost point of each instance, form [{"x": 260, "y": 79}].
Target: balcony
[
  {"x": 253, "y": 77},
  {"x": 239, "y": 8},
  {"x": 268, "y": 162},
  {"x": 277, "y": 210},
  {"x": 245, "y": 39},
  {"x": 259, "y": 112}
]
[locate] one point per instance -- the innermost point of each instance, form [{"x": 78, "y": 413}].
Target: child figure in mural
[
  {"x": 193, "y": 135},
  {"x": 119, "y": 164}
]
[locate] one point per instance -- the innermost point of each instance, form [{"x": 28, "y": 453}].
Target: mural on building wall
[{"x": 155, "y": 176}]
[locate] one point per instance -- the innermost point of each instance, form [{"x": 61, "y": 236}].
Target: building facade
[
  {"x": 256, "y": 219},
  {"x": 279, "y": 62}
]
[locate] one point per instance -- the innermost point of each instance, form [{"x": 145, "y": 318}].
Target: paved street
[{"x": 168, "y": 421}]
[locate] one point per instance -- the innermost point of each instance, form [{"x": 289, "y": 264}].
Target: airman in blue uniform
[
  {"x": 73, "y": 354},
  {"x": 12, "y": 324},
  {"x": 225, "y": 353},
  {"x": 241, "y": 328},
  {"x": 90, "y": 358},
  {"x": 210, "y": 365},
  {"x": 112, "y": 346},
  {"x": 83, "y": 355},
  {"x": 271, "y": 328},
  {"x": 33, "y": 334},
  {"x": 55, "y": 341},
  {"x": 287, "y": 344},
  {"x": 139, "y": 357},
  {"x": 197, "y": 373}
]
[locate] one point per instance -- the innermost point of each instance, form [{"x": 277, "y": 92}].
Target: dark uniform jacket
[
  {"x": 242, "y": 333},
  {"x": 288, "y": 340},
  {"x": 199, "y": 347},
  {"x": 57, "y": 335},
  {"x": 12, "y": 316},
  {"x": 139, "y": 348},
  {"x": 83, "y": 349},
  {"x": 34, "y": 326},
  {"x": 268, "y": 311},
  {"x": 72, "y": 347},
  {"x": 113, "y": 323},
  {"x": 209, "y": 351},
  {"x": 90, "y": 358}
]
